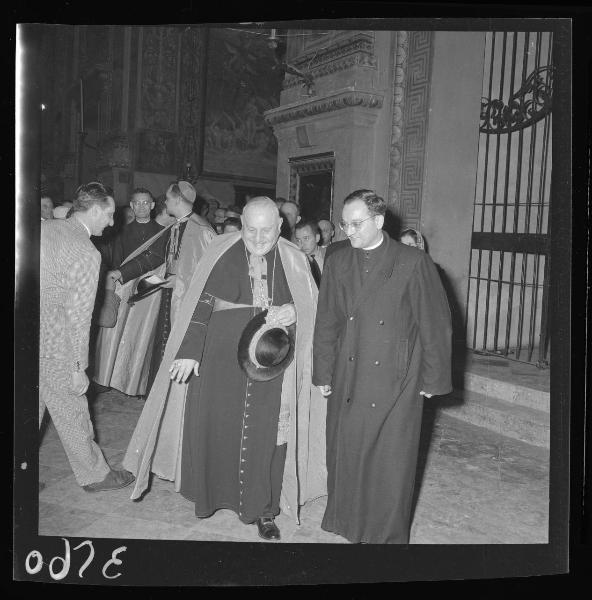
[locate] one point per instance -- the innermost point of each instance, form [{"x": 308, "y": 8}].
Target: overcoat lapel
[{"x": 379, "y": 275}]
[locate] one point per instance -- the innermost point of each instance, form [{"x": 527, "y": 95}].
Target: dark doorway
[
  {"x": 311, "y": 185},
  {"x": 314, "y": 195}
]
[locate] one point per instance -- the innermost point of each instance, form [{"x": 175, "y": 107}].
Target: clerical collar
[{"x": 375, "y": 245}]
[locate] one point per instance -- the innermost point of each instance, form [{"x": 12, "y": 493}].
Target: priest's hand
[
  {"x": 182, "y": 368},
  {"x": 285, "y": 315},
  {"x": 109, "y": 283},
  {"x": 79, "y": 383},
  {"x": 114, "y": 275},
  {"x": 170, "y": 282},
  {"x": 325, "y": 390}
]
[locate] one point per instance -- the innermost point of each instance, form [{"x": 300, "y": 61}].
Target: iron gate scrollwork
[{"x": 507, "y": 307}]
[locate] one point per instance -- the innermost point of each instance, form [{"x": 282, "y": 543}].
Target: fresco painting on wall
[
  {"x": 156, "y": 152},
  {"x": 242, "y": 83}
]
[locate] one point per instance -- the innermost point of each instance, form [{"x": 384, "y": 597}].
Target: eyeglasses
[
  {"x": 357, "y": 225},
  {"x": 141, "y": 203}
]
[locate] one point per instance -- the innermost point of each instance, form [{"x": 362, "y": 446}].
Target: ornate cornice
[
  {"x": 357, "y": 50},
  {"x": 335, "y": 101}
]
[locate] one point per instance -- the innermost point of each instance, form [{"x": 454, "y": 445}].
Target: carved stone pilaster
[
  {"x": 399, "y": 81},
  {"x": 337, "y": 100},
  {"x": 413, "y": 65}
]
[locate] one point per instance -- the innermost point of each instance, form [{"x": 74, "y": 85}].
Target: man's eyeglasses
[
  {"x": 357, "y": 225},
  {"x": 141, "y": 203}
]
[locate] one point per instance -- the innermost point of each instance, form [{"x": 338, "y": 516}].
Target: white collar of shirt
[
  {"x": 85, "y": 226},
  {"x": 375, "y": 245}
]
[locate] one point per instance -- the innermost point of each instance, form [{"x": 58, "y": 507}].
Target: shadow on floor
[{"x": 430, "y": 412}]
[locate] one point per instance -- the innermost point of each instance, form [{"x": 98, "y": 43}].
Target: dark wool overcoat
[{"x": 378, "y": 341}]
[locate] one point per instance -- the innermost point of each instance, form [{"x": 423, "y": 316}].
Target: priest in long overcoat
[{"x": 382, "y": 343}]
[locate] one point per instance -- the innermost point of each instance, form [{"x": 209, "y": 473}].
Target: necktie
[{"x": 316, "y": 271}]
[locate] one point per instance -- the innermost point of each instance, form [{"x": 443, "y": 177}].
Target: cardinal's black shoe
[{"x": 268, "y": 530}]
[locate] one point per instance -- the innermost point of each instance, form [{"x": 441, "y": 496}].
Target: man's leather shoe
[
  {"x": 114, "y": 480},
  {"x": 268, "y": 530}
]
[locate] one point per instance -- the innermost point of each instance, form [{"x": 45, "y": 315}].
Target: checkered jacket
[{"x": 69, "y": 274}]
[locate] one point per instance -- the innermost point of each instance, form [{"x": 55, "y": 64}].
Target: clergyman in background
[{"x": 307, "y": 237}]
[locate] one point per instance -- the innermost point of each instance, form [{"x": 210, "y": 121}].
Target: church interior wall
[
  {"x": 451, "y": 156},
  {"x": 148, "y": 78}
]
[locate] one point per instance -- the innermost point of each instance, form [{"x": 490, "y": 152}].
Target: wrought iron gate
[{"x": 509, "y": 264}]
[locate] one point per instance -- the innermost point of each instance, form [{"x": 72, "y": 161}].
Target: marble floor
[
  {"x": 504, "y": 369},
  {"x": 474, "y": 487}
]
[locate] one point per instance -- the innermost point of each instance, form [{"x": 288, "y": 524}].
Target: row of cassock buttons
[{"x": 249, "y": 384}]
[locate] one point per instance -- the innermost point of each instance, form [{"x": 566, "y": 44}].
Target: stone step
[
  {"x": 513, "y": 420},
  {"x": 508, "y": 392}
]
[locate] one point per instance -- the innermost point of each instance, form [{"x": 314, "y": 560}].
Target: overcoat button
[
  {"x": 351, "y": 357},
  {"x": 373, "y": 405},
  {"x": 381, "y": 322},
  {"x": 376, "y": 362},
  {"x": 351, "y": 318}
]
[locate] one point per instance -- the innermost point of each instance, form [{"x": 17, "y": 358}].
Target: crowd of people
[{"x": 277, "y": 365}]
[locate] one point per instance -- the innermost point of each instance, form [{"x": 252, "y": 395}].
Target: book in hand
[{"x": 145, "y": 287}]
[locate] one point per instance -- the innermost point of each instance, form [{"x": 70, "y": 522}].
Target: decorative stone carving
[
  {"x": 409, "y": 124},
  {"x": 356, "y": 50},
  {"x": 415, "y": 119},
  {"x": 399, "y": 81},
  {"x": 334, "y": 101}
]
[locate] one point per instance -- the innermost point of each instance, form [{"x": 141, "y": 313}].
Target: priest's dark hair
[
  {"x": 376, "y": 205},
  {"x": 314, "y": 226},
  {"x": 89, "y": 194},
  {"x": 141, "y": 190}
]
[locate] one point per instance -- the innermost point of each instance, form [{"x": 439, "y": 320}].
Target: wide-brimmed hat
[
  {"x": 265, "y": 350},
  {"x": 143, "y": 288}
]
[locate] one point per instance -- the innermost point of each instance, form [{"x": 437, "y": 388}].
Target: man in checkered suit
[{"x": 69, "y": 273}]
